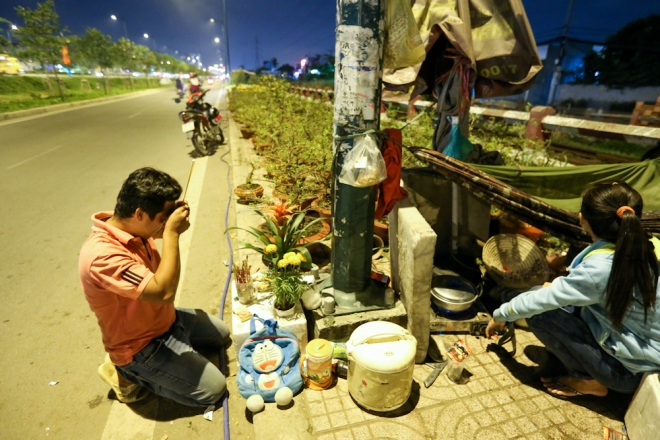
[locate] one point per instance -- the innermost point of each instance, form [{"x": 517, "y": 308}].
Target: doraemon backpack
[{"x": 269, "y": 361}]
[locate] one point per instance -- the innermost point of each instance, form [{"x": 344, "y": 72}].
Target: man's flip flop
[
  {"x": 558, "y": 386},
  {"x": 127, "y": 394}
]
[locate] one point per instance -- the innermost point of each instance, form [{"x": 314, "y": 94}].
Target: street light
[
  {"x": 115, "y": 18},
  {"x": 217, "y": 40},
  {"x": 145, "y": 35},
  {"x": 212, "y": 20}
]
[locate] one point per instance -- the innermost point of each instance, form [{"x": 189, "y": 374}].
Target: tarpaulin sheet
[
  {"x": 494, "y": 36},
  {"x": 549, "y": 197}
]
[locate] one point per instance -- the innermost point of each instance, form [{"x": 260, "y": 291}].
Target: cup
[
  {"x": 245, "y": 292},
  {"x": 328, "y": 305}
]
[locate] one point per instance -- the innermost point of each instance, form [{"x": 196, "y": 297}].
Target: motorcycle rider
[
  {"x": 194, "y": 83},
  {"x": 179, "y": 86}
]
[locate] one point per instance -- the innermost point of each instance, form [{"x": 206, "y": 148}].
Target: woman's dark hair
[
  {"x": 635, "y": 262},
  {"x": 147, "y": 189}
]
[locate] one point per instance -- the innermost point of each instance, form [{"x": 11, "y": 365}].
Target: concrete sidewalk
[{"x": 503, "y": 399}]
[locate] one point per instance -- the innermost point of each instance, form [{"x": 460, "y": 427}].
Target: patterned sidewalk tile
[{"x": 503, "y": 399}]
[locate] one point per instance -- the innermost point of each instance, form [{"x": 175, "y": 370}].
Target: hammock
[{"x": 552, "y": 200}]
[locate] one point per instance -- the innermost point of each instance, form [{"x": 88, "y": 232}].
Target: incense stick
[{"x": 192, "y": 165}]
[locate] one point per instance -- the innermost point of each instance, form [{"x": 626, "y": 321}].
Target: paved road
[{"x": 55, "y": 171}]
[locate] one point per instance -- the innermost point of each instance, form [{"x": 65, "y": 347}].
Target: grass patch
[{"x": 25, "y": 92}]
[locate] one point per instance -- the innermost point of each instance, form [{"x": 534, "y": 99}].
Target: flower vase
[{"x": 245, "y": 292}]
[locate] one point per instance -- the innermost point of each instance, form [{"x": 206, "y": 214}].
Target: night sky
[{"x": 289, "y": 30}]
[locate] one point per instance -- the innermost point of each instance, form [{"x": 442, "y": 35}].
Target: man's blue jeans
[
  {"x": 568, "y": 337},
  {"x": 171, "y": 367}
]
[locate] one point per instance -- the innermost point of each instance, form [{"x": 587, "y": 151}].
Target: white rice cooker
[{"x": 381, "y": 359}]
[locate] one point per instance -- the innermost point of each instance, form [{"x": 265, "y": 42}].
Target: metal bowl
[{"x": 453, "y": 293}]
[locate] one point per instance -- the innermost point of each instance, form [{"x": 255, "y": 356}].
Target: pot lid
[{"x": 452, "y": 289}]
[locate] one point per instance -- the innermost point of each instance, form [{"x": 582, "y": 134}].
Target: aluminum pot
[{"x": 453, "y": 293}]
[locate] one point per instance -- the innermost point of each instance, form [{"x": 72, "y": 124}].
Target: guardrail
[{"x": 538, "y": 120}]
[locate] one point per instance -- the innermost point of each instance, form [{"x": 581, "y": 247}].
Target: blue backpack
[{"x": 268, "y": 360}]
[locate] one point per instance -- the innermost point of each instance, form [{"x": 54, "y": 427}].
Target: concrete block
[
  {"x": 339, "y": 328},
  {"x": 643, "y": 416},
  {"x": 412, "y": 246},
  {"x": 263, "y": 307}
]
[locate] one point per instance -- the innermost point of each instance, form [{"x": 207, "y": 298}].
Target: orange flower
[{"x": 280, "y": 213}]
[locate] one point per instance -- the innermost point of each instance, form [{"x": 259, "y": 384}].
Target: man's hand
[
  {"x": 179, "y": 221},
  {"x": 494, "y": 327}
]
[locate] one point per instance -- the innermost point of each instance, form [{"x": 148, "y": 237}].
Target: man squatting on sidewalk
[{"x": 131, "y": 288}]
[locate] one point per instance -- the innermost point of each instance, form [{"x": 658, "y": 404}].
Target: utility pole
[
  {"x": 557, "y": 74},
  {"x": 358, "y": 74},
  {"x": 224, "y": 12}
]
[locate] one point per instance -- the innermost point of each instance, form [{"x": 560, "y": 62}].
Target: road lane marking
[
  {"x": 33, "y": 157},
  {"x": 123, "y": 423},
  {"x": 132, "y": 116}
]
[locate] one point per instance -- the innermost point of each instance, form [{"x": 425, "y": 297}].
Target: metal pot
[{"x": 453, "y": 293}]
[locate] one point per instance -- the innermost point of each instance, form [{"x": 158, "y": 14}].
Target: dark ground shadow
[
  {"x": 613, "y": 405},
  {"x": 406, "y": 408}
]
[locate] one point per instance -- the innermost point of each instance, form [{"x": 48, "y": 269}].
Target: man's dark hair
[{"x": 148, "y": 189}]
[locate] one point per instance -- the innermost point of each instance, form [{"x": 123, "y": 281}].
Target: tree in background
[
  {"x": 41, "y": 36},
  {"x": 630, "y": 57},
  {"x": 124, "y": 54},
  {"x": 5, "y": 43},
  {"x": 287, "y": 70},
  {"x": 146, "y": 60},
  {"x": 93, "y": 49}
]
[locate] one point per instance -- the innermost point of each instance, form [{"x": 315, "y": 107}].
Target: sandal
[
  {"x": 553, "y": 386},
  {"x": 128, "y": 394}
]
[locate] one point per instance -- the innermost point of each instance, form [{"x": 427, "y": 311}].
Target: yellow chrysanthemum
[
  {"x": 270, "y": 249},
  {"x": 293, "y": 260},
  {"x": 289, "y": 255},
  {"x": 301, "y": 257},
  {"x": 282, "y": 263}
]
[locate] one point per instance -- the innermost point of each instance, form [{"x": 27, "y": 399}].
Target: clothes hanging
[{"x": 389, "y": 190}]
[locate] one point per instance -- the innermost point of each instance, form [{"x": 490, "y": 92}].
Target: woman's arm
[{"x": 583, "y": 286}]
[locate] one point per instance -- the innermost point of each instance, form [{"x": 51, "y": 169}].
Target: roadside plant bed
[
  {"x": 299, "y": 193},
  {"x": 298, "y": 132}
]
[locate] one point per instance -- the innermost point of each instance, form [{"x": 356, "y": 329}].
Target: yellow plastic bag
[{"x": 403, "y": 44}]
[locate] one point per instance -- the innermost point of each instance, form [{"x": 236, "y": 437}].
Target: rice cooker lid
[
  {"x": 382, "y": 346},
  {"x": 452, "y": 289}
]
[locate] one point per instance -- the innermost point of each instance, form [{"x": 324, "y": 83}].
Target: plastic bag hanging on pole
[
  {"x": 403, "y": 46},
  {"x": 364, "y": 165}
]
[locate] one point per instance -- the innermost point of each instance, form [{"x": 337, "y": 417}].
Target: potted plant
[
  {"x": 249, "y": 191},
  {"x": 281, "y": 235},
  {"x": 287, "y": 284}
]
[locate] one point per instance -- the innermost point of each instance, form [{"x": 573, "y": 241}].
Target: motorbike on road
[{"x": 201, "y": 122}]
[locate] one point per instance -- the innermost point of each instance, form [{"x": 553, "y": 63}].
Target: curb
[{"x": 70, "y": 105}]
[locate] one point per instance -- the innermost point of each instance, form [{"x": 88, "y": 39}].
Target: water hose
[{"x": 223, "y": 360}]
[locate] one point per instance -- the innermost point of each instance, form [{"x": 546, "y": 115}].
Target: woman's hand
[{"x": 493, "y": 328}]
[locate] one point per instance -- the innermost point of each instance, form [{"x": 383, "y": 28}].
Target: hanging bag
[
  {"x": 364, "y": 165},
  {"x": 269, "y": 361},
  {"x": 403, "y": 45}
]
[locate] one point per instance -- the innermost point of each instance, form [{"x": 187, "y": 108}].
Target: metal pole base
[{"x": 373, "y": 298}]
